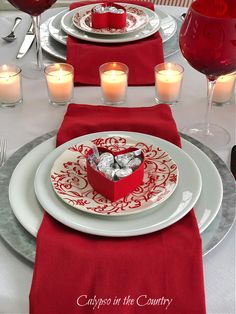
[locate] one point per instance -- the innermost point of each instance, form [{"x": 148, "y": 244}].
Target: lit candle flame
[{"x": 4, "y": 67}]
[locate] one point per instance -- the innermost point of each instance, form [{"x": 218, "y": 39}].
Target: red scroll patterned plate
[{"x": 69, "y": 178}]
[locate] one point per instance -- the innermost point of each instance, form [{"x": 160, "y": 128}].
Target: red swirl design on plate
[{"x": 69, "y": 178}]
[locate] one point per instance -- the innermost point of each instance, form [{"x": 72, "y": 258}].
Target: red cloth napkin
[
  {"x": 158, "y": 273},
  {"x": 140, "y": 56}
]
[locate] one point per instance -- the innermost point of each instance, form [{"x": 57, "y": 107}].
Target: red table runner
[
  {"x": 158, "y": 273},
  {"x": 140, "y": 56}
]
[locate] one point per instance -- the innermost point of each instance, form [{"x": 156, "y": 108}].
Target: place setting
[
  {"x": 142, "y": 23},
  {"x": 64, "y": 185},
  {"x": 118, "y": 191}
]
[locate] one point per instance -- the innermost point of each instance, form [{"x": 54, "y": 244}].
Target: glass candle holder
[
  {"x": 168, "y": 82},
  {"x": 10, "y": 86},
  {"x": 114, "y": 81},
  {"x": 224, "y": 89},
  {"x": 60, "y": 83}
]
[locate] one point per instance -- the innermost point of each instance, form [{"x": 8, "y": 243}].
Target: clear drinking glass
[{"x": 34, "y": 8}]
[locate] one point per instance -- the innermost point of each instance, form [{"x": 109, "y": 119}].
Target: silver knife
[{"x": 27, "y": 42}]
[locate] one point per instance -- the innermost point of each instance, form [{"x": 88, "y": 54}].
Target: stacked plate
[
  {"x": 141, "y": 23},
  {"x": 175, "y": 181}
]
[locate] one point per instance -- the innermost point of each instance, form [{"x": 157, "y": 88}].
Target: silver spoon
[
  {"x": 12, "y": 35},
  {"x": 183, "y": 16}
]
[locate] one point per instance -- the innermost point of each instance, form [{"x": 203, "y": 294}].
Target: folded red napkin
[
  {"x": 158, "y": 273},
  {"x": 140, "y": 56}
]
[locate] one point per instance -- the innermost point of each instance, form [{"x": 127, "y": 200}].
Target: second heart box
[{"x": 108, "y": 15}]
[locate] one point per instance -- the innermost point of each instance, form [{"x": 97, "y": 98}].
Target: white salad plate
[
  {"x": 70, "y": 182},
  {"x": 151, "y": 27},
  {"x": 29, "y": 212},
  {"x": 135, "y": 20},
  {"x": 178, "y": 204}
]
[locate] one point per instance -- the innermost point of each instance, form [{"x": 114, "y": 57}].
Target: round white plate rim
[
  {"x": 68, "y": 27},
  {"x": 91, "y": 29},
  {"x": 34, "y": 212},
  {"x": 62, "y": 39},
  {"x": 60, "y": 160},
  {"x": 72, "y": 218}
]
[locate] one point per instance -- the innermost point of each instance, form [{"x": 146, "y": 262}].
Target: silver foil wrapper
[
  {"x": 115, "y": 168},
  {"x": 124, "y": 159},
  {"x": 134, "y": 163},
  {"x": 102, "y": 9},
  {"x": 124, "y": 172}
]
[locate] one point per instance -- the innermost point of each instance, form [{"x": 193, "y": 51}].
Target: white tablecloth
[{"x": 36, "y": 117}]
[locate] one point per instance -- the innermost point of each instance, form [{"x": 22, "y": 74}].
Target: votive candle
[
  {"x": 10, "y": 85},
  {"x": 224, "y": 89},
  {"x": 114, "y": 81},
  {"x": 60, "y": 83},
  {"x": 168, "y": 81}
]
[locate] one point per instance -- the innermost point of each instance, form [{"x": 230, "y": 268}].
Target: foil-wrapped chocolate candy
[
  {"x": 124, "y": 172},
  {"x": 107, "y": 158},
  {"x": 124, "y": 159},
  {"x": 110, "y": 173},
  {"x": 99, "y": 9},
  {"x": 134, "y": 163},
  {"x": 115, "y": 168},
  {"x": 103, "y": 9}
]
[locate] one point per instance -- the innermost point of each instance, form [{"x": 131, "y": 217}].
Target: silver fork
[{"x": 3, "y": 151}]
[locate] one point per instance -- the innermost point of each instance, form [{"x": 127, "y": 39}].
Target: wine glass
[
  {"x": 34, "y": 8},
  {"x": 208, "y": 42}
]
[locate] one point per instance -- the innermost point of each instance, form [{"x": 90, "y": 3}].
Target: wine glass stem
[
  {"x": 39, "y": 56},
  {"x": 210, "y": 90}
]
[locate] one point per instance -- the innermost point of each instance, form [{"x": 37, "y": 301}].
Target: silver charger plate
[{"x": 24, "y": 244}]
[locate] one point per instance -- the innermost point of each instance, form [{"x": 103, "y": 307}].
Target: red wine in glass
[
  {"x": 208, "y": 42},
  {"x": 34, "y": 8}
]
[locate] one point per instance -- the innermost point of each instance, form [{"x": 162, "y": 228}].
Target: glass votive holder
[
  {"x": 114, "y": 81},
  {"x": 10, "y": 86},
  {"x": 168, "y": 82},
  {"x": 223, "y": 92},
  {"x": 60, "y": 83}
]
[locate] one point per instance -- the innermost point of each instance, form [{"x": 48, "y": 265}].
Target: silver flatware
[
  {"x": 3, "y": 151},
  {"x": 27, "y": 42},
  {"x": 12, "y": 36}
]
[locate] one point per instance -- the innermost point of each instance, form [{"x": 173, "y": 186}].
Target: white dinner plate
[
  {"x": 29, "y": 212},
  {"x": 135, "y": 20},
  {"x": 178, "y": 205},
  {"x": 70, "y": 182},
  {"x": 57, "y": 47},
  {"x": 151, "y": 27}
]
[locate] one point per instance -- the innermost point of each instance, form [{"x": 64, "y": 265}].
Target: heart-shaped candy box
[
  {"x": 114, "y": 190},
  {"x": 108, "y": 15}
]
